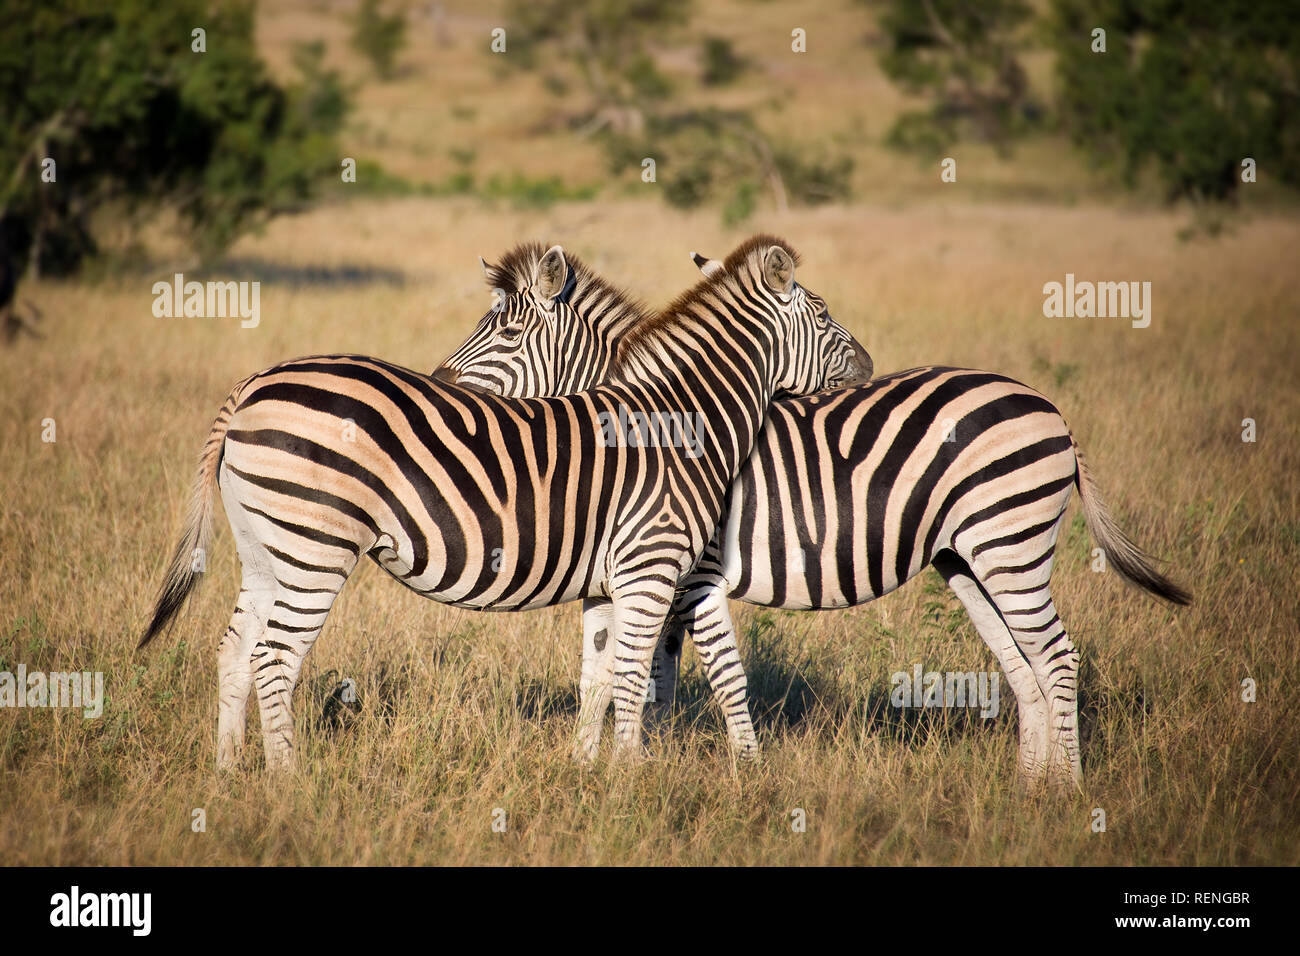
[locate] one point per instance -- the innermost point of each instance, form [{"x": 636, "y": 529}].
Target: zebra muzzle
[
  {"x": 860, "y": 367},
  {"x": 448, "y": 376}
]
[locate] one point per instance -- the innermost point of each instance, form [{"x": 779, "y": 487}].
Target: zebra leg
[
  {"x": 1041, "y": 637},
  {"x": 597, "y": 682},
  {"x": 1018, "y": 583},
  {"x": 707, "y": 618},
  {"x": 293, "y": 586},
  {"x": 235, "y": 674},
  {"x": 640, "y": 609},
  {"x": 663, "y": 674},
  {"x": 992, "y": 627},
  {"x": 295, "y": 623},
  {"x": 247, "y": 628}
]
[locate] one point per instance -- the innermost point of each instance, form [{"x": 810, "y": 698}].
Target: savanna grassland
[{"x": 463, "y": 713}]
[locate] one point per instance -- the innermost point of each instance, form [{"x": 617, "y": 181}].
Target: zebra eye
[{"x": 512, "y": 332}]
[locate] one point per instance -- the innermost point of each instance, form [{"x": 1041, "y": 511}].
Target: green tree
[
  {"x": 377, "y": 37},
  {"x": 606, "y": 40},
  {"x": 960, "y": 56},
  {"x": 1187, "y": 89},
  {"x": 118, "y": 98},
  {"x": 711, "y": 154},
  {"x": 702, "y": 152},
  {"x": 721, "y": 64}
]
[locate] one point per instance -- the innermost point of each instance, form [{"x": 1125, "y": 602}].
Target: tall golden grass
[{"x": 464, "y": 713}]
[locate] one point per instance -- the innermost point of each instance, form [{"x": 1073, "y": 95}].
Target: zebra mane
[
  {"x": 618, "y": 308},
  {"x": 678, "y": 313}
]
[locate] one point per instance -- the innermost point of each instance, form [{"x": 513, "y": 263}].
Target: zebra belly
[
  {"x": 758, "y": 573},
  {"x": 848, "y": 494},
  {"x": 770, "y": 564},
  {"x": 496, "y": 598}
]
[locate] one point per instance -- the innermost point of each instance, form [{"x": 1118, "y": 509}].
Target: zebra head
[
  {"x": 866, "y": 367},
  {"x": 550, "y": 331},
  {"x": 811, "y": 351}
]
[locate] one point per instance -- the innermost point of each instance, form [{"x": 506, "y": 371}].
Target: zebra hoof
[
  {"x": 1040, "y": 777},
  {"x": 745, "y": 750},
  {"x": 584, "y": 754},
  {"x": 228, "y": 759},
  {"x": 630, "y": 754}
]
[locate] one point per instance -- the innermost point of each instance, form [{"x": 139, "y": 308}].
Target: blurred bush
[
  {"x": 963, "y": 58},
  {"x": 377, "y": 37},
  {"x": 1187, "y": 90},
  {"x": 721, "y": 64},
  {"x": 136, "y": 107},
  {"x": 702, "y": 153}
]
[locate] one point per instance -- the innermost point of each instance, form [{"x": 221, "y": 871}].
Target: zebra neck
[
  {"x": 717, "y": 369},
  {"x": 586, "y": 348},
  {"x": 581, "y": 360},
  {"x": 607, "y": 314}
]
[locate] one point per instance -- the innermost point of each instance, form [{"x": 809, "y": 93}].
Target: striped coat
[
  {"x": 495, "y": 503},
  {"x": 849, "y": 493}
]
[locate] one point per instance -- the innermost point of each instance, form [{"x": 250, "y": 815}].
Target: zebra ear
[
  {"x": 710, "y": 267},
  {"x": 487, "y": 269},
  {"x": 552, "y": 270},
  {"x": 778, "y": 270}
]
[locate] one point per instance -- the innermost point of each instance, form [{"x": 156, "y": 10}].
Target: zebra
[
  {"x": 495, "y": 503},
  {"x": 850, "y": 492}
]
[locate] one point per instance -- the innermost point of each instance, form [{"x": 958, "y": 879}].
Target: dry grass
[
  {"x": 452, "y": 97},
  {"x": 467, "y": 712},
  {"x": 463, "y": 713}
]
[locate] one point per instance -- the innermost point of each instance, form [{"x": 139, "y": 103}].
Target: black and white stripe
[
  {"x": 495, "y": 503},
  {"x": 849, "y": 493}
]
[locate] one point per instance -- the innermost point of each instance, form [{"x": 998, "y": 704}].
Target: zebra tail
[
  {"x": 185, "y": 569},
  {"x": 1134, "y": 565}
]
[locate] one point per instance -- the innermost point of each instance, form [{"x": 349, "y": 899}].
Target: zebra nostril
[
  {"x": 860, "y": 362},
  {"x": 446, "y": 375}
]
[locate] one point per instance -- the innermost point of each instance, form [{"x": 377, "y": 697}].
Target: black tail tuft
[{"x": 1130, "y": 561}]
